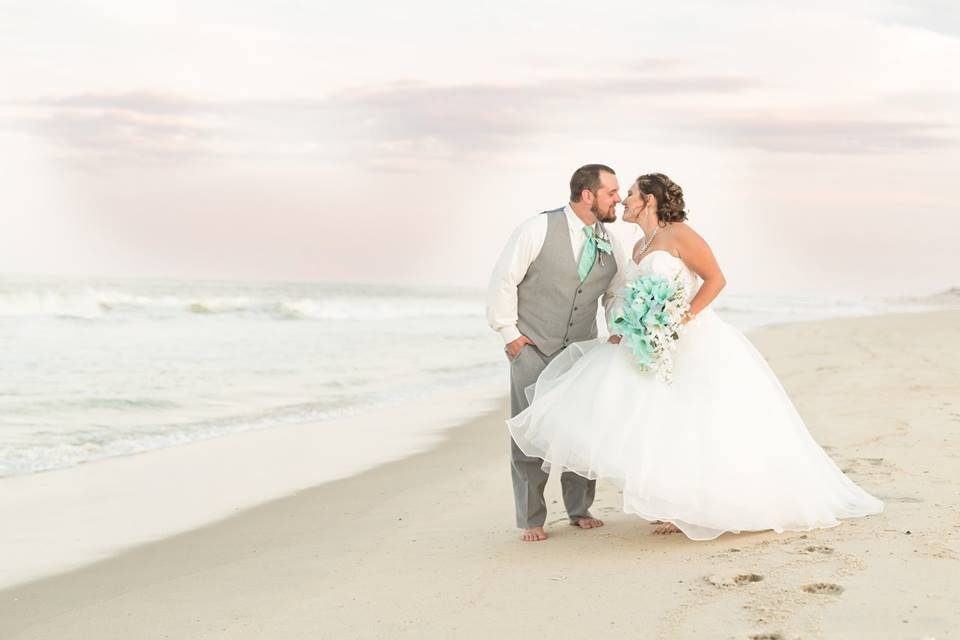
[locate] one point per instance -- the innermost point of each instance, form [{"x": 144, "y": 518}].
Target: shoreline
[
  {"x": 167, "y": 491},
  {"x": 424, "y": 546}
]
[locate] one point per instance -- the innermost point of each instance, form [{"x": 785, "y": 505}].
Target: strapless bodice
[{"x": 663, "y": 263}]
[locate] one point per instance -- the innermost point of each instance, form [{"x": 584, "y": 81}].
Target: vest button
[
  {"x": 579, "y": 290},
  {"x": 575, "y": 308},
  {"x": 571, "y": 324}
]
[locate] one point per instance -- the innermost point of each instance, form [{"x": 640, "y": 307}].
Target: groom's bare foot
[
  {"x": 666, "y": 529},
  {"x": 587, "y": 523},
  {"x": 533, "y": 534}
]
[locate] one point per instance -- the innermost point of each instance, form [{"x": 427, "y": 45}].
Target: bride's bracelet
[{"x": 689, "y": 317}]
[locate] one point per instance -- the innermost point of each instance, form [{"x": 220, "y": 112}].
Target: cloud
[
  {"x": 148, "y": 127},
  {"x": 401, "y": 126},
  {"x": 939, "y": 16},
  {"x": 400, "y": 122},
  {"x": 473, "y": 119},
  {"x": 820, "y": 132},
  {"x": 466, "y": 120},
  {"x": 134, "y": 101}
]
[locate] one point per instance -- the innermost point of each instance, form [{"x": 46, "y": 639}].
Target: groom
[{"x": 542, "y": 297}]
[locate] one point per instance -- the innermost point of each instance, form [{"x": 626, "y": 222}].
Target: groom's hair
[{"x": 586, "y": 177}]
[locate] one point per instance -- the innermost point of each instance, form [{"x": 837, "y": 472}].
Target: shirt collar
[{"x": 576, "y": 224}]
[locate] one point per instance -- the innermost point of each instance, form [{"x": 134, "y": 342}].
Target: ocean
[{"x": 94, "y": 368}]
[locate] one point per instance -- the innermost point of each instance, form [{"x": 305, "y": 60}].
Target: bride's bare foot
[
  {"x": 587, "y": 523},
  {"x": 533, "y": 534},
  {"x": 666, "y": 529}
]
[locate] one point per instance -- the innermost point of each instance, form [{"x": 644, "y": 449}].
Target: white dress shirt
[{"x": 522, "y": 249}]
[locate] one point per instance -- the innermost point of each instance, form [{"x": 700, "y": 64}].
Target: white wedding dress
[{"x": 720, "y": 449}]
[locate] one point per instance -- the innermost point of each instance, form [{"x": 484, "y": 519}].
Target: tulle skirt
[{"x": 720, "y": 449}]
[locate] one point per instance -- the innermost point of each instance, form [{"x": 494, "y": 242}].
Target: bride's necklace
[{"x": 646, "y": 245}]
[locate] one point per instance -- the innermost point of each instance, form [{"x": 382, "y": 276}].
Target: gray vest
[{"x": 553, "y": 307}]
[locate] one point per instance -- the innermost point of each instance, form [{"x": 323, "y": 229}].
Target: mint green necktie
[{"x": 589, "y": 255}]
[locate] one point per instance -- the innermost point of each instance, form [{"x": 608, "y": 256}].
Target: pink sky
[{"x": 817, "y": 147}]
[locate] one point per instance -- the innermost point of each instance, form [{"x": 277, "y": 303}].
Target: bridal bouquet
[{"x": 651, "y": 321}]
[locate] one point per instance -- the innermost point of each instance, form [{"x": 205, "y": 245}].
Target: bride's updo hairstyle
[{"x": 669, "y": 195}]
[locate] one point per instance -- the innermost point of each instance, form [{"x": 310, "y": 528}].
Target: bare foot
[
  {"x": 587, "y": 523},
  {"x": 666, "y": 529},
  {"x": 533, "y": 534}
]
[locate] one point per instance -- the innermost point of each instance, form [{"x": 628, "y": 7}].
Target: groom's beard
[{"x": 610, "y": 215}]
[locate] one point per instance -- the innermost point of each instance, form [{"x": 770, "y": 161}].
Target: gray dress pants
[{"x": 529, "y": 479}]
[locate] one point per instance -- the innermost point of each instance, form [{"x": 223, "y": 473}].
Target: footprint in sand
[
  {"x": 817, "y": 549},
  {"x": 903, "y": 499},
  {"x": 867, "y": 466},
  {"x": 827, "y": 588},
  {"x": 733, "y": 580}
]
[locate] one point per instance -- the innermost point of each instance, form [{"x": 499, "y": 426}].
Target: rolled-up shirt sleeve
[{"x": 521, "y": 250}]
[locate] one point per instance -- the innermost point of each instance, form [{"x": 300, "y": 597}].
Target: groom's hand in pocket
[{"x": 513, "y": 348}]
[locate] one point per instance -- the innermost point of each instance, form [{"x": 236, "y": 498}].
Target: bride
[{"x": 720, "y": 449}]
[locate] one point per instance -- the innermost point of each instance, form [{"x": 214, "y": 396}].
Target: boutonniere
[{"x": 603, "y": 243}]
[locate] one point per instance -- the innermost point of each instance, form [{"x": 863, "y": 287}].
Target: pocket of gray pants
[{"x": 519, "y": 353}]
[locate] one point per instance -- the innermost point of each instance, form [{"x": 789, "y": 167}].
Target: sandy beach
[{"x": 424, "y": 547}]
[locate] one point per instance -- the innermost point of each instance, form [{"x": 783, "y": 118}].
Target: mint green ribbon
[{"x": 589, "y": 255}]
